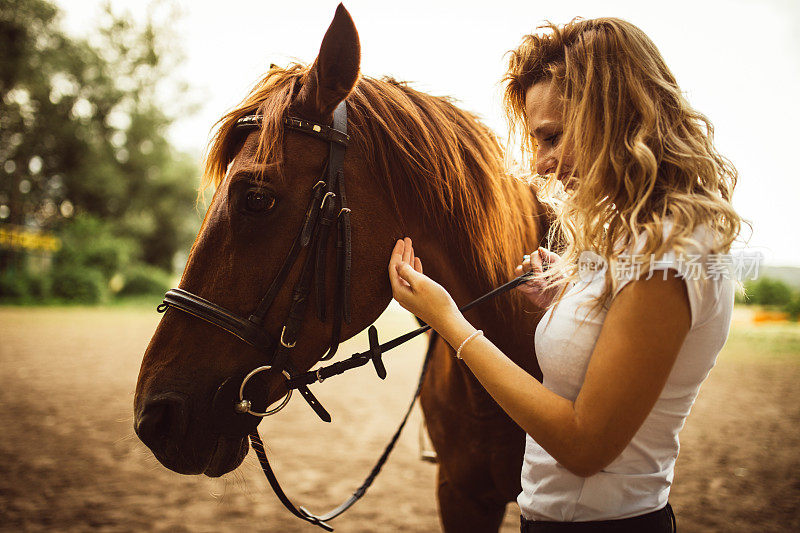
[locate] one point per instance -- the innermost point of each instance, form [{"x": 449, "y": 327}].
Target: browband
[{"x": 326, "y": 133}]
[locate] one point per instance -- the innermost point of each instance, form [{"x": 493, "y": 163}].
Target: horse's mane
[{"x": 426, "y": 152}]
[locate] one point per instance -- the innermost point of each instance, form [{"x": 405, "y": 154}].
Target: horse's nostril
[{"x": 161, "y": 424}]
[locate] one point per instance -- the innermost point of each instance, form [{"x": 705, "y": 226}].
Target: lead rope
[{"x": 321, "y": 521}]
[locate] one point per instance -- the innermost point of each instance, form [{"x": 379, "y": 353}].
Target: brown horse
[{"x": 416, "y": 166}]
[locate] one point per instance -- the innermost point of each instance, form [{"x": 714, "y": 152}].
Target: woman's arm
[{"x": 638, "y": 343}]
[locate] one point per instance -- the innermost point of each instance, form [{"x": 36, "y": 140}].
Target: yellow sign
[{"x": 19, "y": 238}]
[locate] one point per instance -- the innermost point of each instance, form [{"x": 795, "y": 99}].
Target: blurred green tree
[
  {"x": 793, "y": 307},
  {"x": 768, "y": 291},
  {"x": 83, "y": 131}
]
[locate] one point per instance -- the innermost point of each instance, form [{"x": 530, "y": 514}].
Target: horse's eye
[{"x": 258, "y": 201}]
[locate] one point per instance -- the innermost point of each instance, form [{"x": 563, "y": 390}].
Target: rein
[
  {"x": 355, "y": 361},
  {"x": 240, "y": 402}
]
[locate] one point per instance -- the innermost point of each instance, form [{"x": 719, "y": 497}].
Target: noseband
[{"x": 241, "y": 401}]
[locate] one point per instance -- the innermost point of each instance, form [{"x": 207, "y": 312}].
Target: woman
[{"x": 635, "y": 182}]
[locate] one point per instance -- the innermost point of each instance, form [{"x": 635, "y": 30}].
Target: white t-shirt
[{"x": 639, "y": 479}]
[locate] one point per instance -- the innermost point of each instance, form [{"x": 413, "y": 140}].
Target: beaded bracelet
[{"x": 475, "y": 334}]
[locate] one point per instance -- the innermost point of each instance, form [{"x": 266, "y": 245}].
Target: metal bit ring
[{"x": 244, "y": 405}]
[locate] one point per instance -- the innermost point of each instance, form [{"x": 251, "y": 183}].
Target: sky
[{"x": 738, "y": 62}]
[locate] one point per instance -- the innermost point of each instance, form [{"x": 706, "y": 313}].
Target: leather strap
[
  {"x": 334, "y": 135},
  {"x": 326, "y": 219},
  {"x": 300, "y": 242},
  {"x": 321, "y": 520},
  {"x": 335, "y": 171},
  {"x": 346, "y": 253},
  {"x": 244, "y": 329},
  {"x": 294, "y": 320},
  {"x": 377, "y": 350},
  {"x": 309, "y": 397},
  {"x": 310, "y": 222},
  {"x": 340, "y": 297},
  {"x": 258, "y": 447},
  {"x": 313, "y": 236},
  {"x": 321, "y": 131}
]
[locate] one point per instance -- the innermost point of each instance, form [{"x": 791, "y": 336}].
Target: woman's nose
[{"x": 546, "y": 165}]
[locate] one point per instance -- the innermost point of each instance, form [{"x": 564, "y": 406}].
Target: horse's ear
[{"x": 335, "y": 71}]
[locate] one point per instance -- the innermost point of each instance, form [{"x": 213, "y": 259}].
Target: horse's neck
[{"x": 512, "y": 333}]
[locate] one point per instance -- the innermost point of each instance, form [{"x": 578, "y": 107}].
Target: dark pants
[{"x": 661, "y": 521}]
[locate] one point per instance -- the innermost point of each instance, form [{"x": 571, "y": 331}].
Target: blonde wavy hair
[{"x": 642, "y": 154}]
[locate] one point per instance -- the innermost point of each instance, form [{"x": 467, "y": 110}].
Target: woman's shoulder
[{"x": 693, "y": 256}]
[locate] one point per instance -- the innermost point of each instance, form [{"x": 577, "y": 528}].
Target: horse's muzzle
[{"x": 161, "y": 424}]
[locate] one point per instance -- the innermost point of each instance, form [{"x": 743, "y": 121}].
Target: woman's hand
[
  {"x": 415, "y": 291},
  {"x": 536, "y": 290}
]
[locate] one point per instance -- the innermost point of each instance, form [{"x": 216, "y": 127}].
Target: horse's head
[{"x": 266, "y": 179}]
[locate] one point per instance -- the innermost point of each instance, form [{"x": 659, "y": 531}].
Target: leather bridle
[{"x": 240, "y": 401}]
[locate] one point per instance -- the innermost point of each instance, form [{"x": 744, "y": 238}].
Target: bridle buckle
[{"x": 283, "y": 342}]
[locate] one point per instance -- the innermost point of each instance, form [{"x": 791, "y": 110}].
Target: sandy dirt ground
[{"x": 69, "y": 460}]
